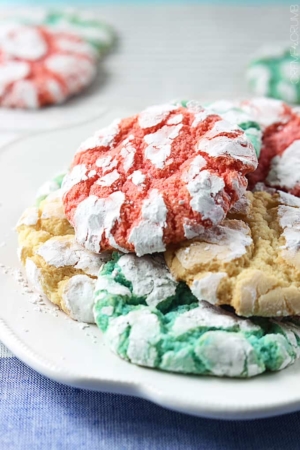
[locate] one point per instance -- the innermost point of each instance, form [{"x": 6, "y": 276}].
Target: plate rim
[{"x": 138, "y": 389}]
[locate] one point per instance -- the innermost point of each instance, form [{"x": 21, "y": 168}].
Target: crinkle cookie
[
  {"x": 275, "y": 72},
  {"x": 151, "y": 320},
  {"x": 251, "y": 261},
  {"x": 40, "y": 67},
  {"x": 90, "y": 28},
  {"x": 267, "y": 111},
  {"x": 84, "y": 24},
  {"x": 55, "y": 264},
  {"x": 234, "y": 113},
  {"x": 279, "y": 162},
  {"x": 148, "y": 180},
  {"x": 49, "y": 186}
]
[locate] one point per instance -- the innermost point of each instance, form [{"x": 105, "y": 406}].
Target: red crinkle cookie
[
  {"x": 279, "y": 161},
  {"x": 156, "y": 178},
  {"x": 39, "y": 67}
]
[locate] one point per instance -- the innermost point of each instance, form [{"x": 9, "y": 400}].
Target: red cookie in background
[
  {"x": 156, "y": 178},
  {"x": 279, "y": 161},
  {"x": 40, "y": 67}
]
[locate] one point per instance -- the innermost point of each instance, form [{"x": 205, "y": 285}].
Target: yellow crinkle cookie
[
  {"x": 251, "y": 261},
  {"x": 55, "y": 264}
]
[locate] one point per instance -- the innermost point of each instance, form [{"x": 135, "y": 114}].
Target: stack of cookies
[{"x": 153, "y": 235}]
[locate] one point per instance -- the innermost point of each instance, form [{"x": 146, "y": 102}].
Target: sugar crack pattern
[{"x": 135, "y": 184}]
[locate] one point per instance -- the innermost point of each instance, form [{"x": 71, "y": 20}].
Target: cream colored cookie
[
  {"x": 55, "y": 264},
  {"x": 251, "y": 261}
]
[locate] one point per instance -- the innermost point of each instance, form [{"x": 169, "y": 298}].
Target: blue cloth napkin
[{"x": 37, "y": 413}]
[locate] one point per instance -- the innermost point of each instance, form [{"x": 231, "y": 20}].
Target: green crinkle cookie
[
  {"x": 48, "y": 187},
  {"x": 276, "y": 73},
  {"x": 89, "y": 27},
  {"x": 95, "y": 31},
  {"x": 151, "y": 320}
]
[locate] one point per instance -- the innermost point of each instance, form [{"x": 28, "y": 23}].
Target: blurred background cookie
[
  {"x": 88, "y": 26},
  {"x": 275, "y": 72},
  {"x": 41, "y": 67}
]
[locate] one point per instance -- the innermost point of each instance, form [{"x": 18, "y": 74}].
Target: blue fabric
[{"x": 37, "y": 413}]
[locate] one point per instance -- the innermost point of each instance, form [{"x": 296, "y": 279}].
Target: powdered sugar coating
[
  {"x": 154, "y": 115},
  {"x": 160, "y": 163},
  {"x": 77, "y": 298},
  {"x": 39, "y": 67},
  {"x": 251, "y": 261},
  {"x": 267, "y": 111},
  {"x": 230, "y": 111},
  {"x": 224, "y": 361},
  {"x": 241, "y": 206},
  {"x": 102, "y": 138},
  {"x": 159, "y": 144},
  {"x": 109, "y": 178},
  {"x": 203, "y": 189},
  {"x": 50, "y": 187},
  {"x": 149, "y": 319},
  {"x": 285, "y": 168},
  {"x": 53, "y": 207},
  {"x": 140, "y": 350},
  {"x": 55, "y": 264},
  {"x": 33, "y": 274},
  {"x": 288, "y": 199},
  {"x": 290, "y": 223},
  {"x": 206, "y": 315},
  {"x": 27, "y": 44},
  {"x": 95, "y": 217},
  {"x": 29, "y": 217},
  {"x": 12, "y": 71},
  {"x": 83, "y": 23},
  {"x": 235, "y": 113},
  {"x": 78, "y": 174},
  {"x": 138, "y": 177},
  {"x": 206, "y": 288},
  {"x": 147, "y": 236},
  {"x": 223, "y": 145},
  {"x": 150, "y": 278},
  {"x": 224, "y": 242},
  {"x": 64, "y": 251}
]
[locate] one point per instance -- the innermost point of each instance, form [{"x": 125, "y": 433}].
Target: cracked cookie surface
[
  {"x": 251, "y": 261},
  {"x": 40, "y": 67},
  {"x": 151, "y": 320},
  {"x": 55, "y": 264},
  {"x": 148, "y": 180},
  {"x": 279, "y": 161}
]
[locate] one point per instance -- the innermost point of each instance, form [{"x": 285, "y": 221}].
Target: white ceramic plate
[{"x": 58, "y": 348}]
